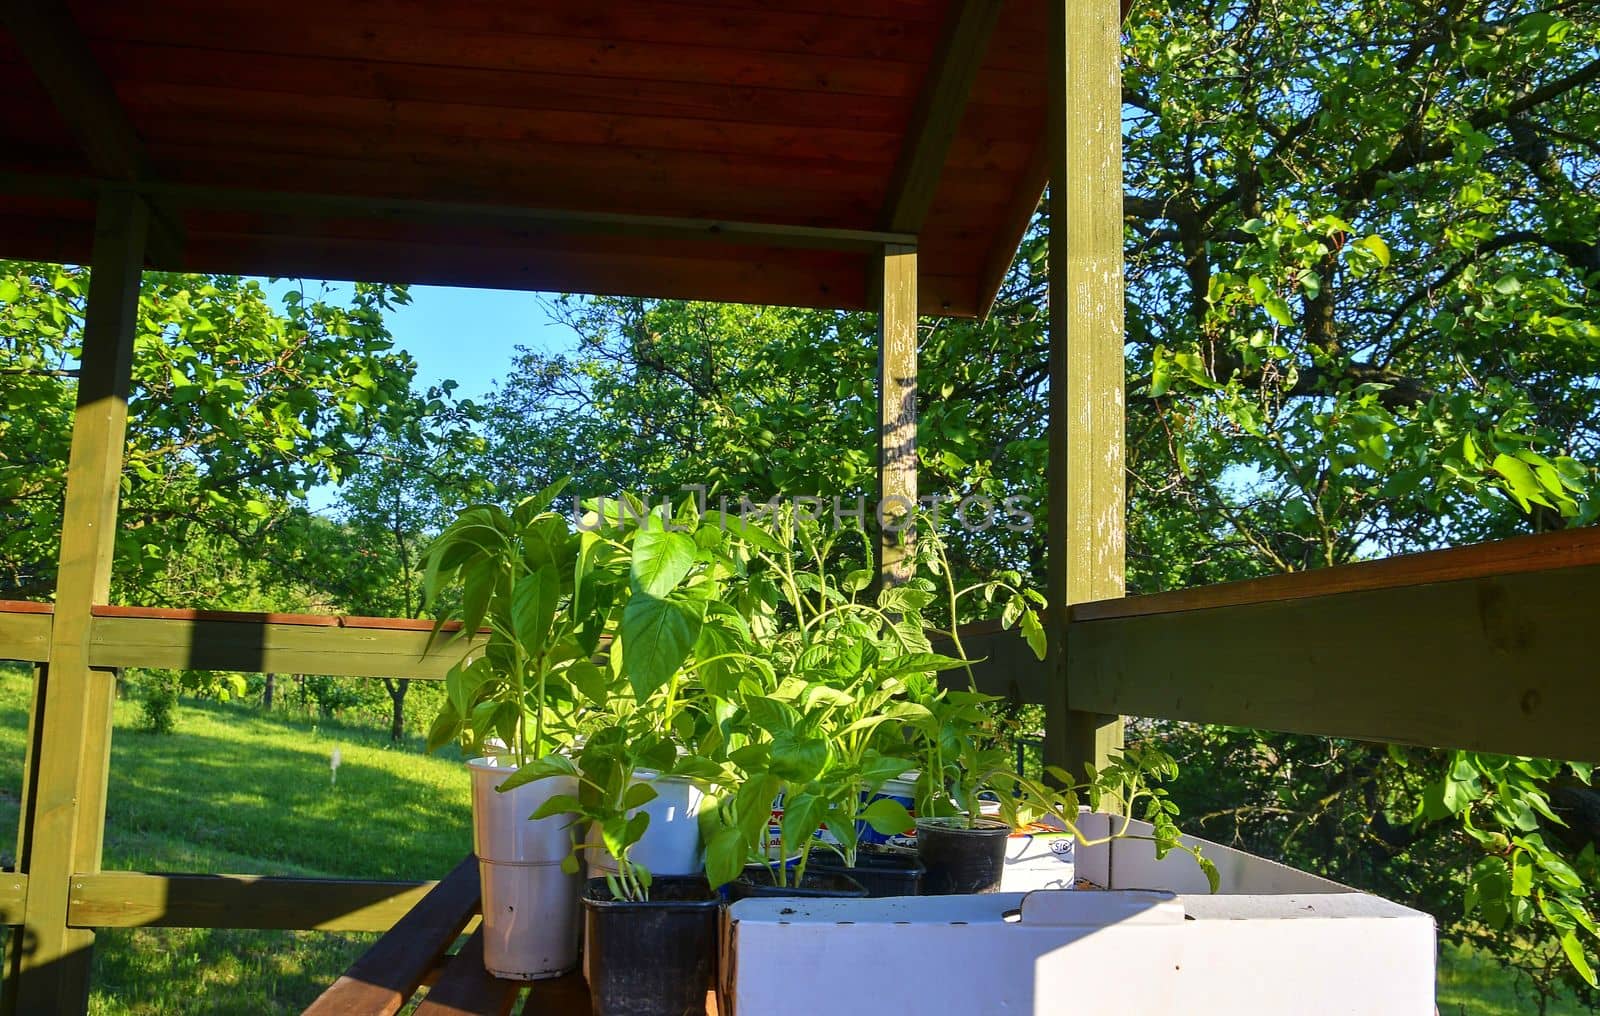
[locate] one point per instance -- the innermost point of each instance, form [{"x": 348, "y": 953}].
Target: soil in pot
[
  {"x": 655, "y": 958},
  {"x": 882, "y": 870},
  {"x": 961, "y": 859},
  {"x": 757, "y": 882}
]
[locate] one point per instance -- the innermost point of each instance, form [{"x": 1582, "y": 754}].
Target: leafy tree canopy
[{"x": 236, "y": 407}]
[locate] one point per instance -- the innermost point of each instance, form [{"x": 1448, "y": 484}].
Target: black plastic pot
[
  {"x": 757, "y": 883},
  {"x": 881, "y": 869},
  {"x": 656, "y": 958},
  {"x": 959, "y": 859}
]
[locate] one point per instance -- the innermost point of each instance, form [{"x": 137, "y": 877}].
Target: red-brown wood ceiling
[{"x": 792, "y": 113}]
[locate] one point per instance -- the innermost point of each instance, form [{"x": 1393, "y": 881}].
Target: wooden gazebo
[{"x": 883, "y": 157}]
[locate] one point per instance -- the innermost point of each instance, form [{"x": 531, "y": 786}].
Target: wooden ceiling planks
[{"x": 717, "y": 109}]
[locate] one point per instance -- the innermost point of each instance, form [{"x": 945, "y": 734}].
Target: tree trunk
[
  {"x": 267, "y": 686},
  {"x": 397, "y": 696}
]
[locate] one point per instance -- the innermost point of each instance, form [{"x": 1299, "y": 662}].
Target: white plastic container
[
  {"x": 1272, "y": 940},
  {"x": 531, "y": 917},
  {"x": 671, "y": 842}
]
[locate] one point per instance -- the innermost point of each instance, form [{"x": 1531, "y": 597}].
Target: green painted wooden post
[
  {"x": 1084, "y": 140},
  {"x": 897, "y": 408},
  {"x": 65, "y": 818}
]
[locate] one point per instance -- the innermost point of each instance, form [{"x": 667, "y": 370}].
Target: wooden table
[{"x": 415, "y": 954}]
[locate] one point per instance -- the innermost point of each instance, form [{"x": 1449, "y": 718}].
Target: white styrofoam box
[
  {"x": 1039, "y": 860},
  {"x": 1130, "y": 863},
  {"x": 1273, "y": 940}
]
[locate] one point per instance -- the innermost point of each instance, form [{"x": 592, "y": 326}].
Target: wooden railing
[{"x": 1491, "y": 647}]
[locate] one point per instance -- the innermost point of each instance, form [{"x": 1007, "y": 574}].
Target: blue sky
[{"x": 467, "y": 335}]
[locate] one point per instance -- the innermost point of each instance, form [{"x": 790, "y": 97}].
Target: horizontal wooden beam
[
  {"x": 937, "y": 117},
  {"x": 1503, "y": 663},
  {"x": 25, "y": 636},
  {"x": 511, "y": 218},
  {"x": 255, "y": 646},
  {"x": 55, "y": 50},
  {"x": 1563, "y": 549},
  {"x": 1005, "y": 665},
  {"x": 131, "y": 899}
]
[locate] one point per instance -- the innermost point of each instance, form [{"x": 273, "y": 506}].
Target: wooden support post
[
  {"x": 1084, "y": 138},
  {"x": 896, "y": 283},
  {"x": 64, "y": 823}
]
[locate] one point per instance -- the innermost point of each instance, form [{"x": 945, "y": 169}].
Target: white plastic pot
[
  {"x": 671, "y": 842},
  {"x": 531, "y": 917}
]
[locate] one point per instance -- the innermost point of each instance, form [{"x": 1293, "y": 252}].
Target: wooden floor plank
[{"x": 389, "y": 973}]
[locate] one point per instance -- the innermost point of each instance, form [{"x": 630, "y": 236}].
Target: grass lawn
[
  {"x": 1472, "y": 984},
  {"x": 237, "y": 792},
  {"x": 233, "y": 791}
]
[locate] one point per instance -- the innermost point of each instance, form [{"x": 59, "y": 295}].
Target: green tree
[
  {"x": 1364, "y": 246},
  {"x": 237, "y": 407},
  {"x": 368, "y": 558},
  {"x": 753, "y": 402}
]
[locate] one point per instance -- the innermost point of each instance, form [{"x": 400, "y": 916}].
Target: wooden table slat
[
  {"x": 561, "y": 996},
  {"x": 389, "y": 973},
  {"x": 465, "y": 988}
]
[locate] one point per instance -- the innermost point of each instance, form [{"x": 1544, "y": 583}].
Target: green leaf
[
  {"x": 915, "y": 663},
  {"x": 1380, "y": 250},
  {"x": 1575, "y": 955},
  {"x": 461, "y": 684},
  {"x": 1160, "y": 374},
  {"x": 1523, "y": 486},
  {"x": 533, "y": 607},
  {"x": 657, "y": 635},
  {"x": 696, "y": 768},
  {"x": 900, "y": 599},
  {"x": 748, "y": 532},
  {"x": 888, "y": 817},
  {"x": 1033, "y": 632},
  {"x": 1521, "y": 876},
  {"x": 798, "y": 759},
  {"x": 638, "y": 795},
  {"x": 445, "y": 729},
  {"x": 856, "y": 580},
  {"x": 772, "y": 715},
  {"x": 802, "y": 817},
  {"x": 589, "y": 679},
  {"x": 661, "y": 559},
  {"x": 539, "y": 769},
  {"x": 558, "y": 804},
  {"x": 1278, "y": 307},
  {"x": 725, "y": 856}
]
